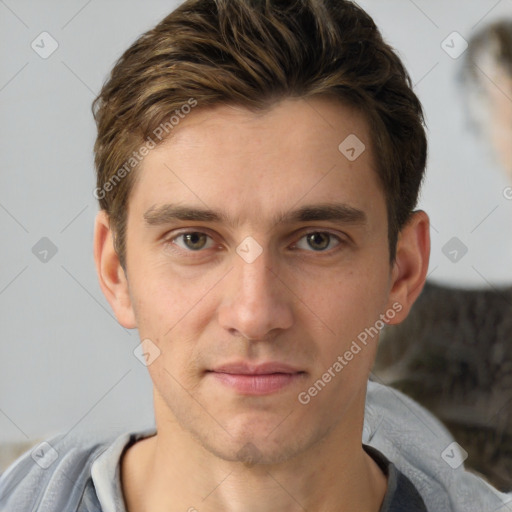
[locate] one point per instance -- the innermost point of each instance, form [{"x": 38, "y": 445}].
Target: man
[{"x": 258, "y": 167}]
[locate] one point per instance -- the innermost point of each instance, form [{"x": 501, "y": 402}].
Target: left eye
[
  {"x": 193, "y": 240},
  {"x": 319, "y": 241}
]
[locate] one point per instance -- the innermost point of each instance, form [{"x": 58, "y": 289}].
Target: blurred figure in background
[
  {"x": 487, "y": 76},
  {"x": 453, "y": 354}
]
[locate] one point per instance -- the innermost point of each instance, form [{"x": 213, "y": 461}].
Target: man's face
[{"x": 248, "y": 289}]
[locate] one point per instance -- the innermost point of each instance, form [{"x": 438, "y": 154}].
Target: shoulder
[
  {"x": 53, "y": 476},
  {"x": 424, "y": 451}
]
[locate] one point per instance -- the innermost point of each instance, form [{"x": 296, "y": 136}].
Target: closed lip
[{"x": 242, "y": 368}]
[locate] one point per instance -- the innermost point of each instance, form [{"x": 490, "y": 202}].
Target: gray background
[{"x": 65, "y": 362}]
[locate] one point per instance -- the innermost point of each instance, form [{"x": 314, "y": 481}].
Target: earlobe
[
  {"x": 411, "y": 264},
  {"x": 111, "y": 276}
]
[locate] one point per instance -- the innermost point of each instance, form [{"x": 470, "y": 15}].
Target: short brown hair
[{"x": 254, "y": 53}]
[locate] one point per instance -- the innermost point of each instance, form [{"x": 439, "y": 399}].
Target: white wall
[
  {"x": 463, "y": 192},
  {"x": 64, "y": 360}
]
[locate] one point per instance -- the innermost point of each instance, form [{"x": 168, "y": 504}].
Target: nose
[{"x": 257, "y": 303}]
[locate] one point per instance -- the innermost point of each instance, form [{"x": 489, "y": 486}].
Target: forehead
[
  {"x": 319, "y": 124},
  {"x": 316, "y": 149}
]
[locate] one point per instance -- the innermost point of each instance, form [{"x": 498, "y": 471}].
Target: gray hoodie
[{"x": 71, "y": 473}]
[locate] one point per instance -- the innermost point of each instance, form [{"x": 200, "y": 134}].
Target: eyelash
[{"x": 169, "y": 242}]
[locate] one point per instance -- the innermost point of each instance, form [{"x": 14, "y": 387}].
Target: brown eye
[
  {"x": 192, "y": 240},
  {"x": 319, "y": 241}
]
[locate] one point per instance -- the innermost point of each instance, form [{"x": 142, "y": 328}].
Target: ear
[
  {"x": 410, "y": 266},
  {"x": 111, "y": 275}
]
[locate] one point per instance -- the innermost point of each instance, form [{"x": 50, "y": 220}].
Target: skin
[
  {"x": 499, "y": 96},
  {"x": 298, "y": 302},
  {"x": 501, "y": 132}
]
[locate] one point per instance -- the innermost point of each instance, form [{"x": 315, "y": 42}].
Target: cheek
[
  {"x": 164, "y": 297},
  {"x": 173, "y": 311},
  {"x": 343, "y": 317},
  {"x": 356, "y": 298}
]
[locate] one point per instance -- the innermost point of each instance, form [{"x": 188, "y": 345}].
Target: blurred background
[{"x": 65, "y": 362}]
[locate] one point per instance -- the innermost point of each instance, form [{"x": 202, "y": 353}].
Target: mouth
[{"x": 261, "y": 379}]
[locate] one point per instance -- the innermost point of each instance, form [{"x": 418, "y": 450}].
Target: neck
[{"x": 172, "y": 471}]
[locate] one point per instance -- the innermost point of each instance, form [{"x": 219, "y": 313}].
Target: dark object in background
[{"x": 453, "y": 354}]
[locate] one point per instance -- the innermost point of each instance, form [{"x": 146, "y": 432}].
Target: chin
[
  {"x": 255, "y": 452},
  {"x": 256, "y": 443}
]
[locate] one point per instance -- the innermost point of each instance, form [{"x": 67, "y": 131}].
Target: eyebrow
[{"x": 342, "y": 213}]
